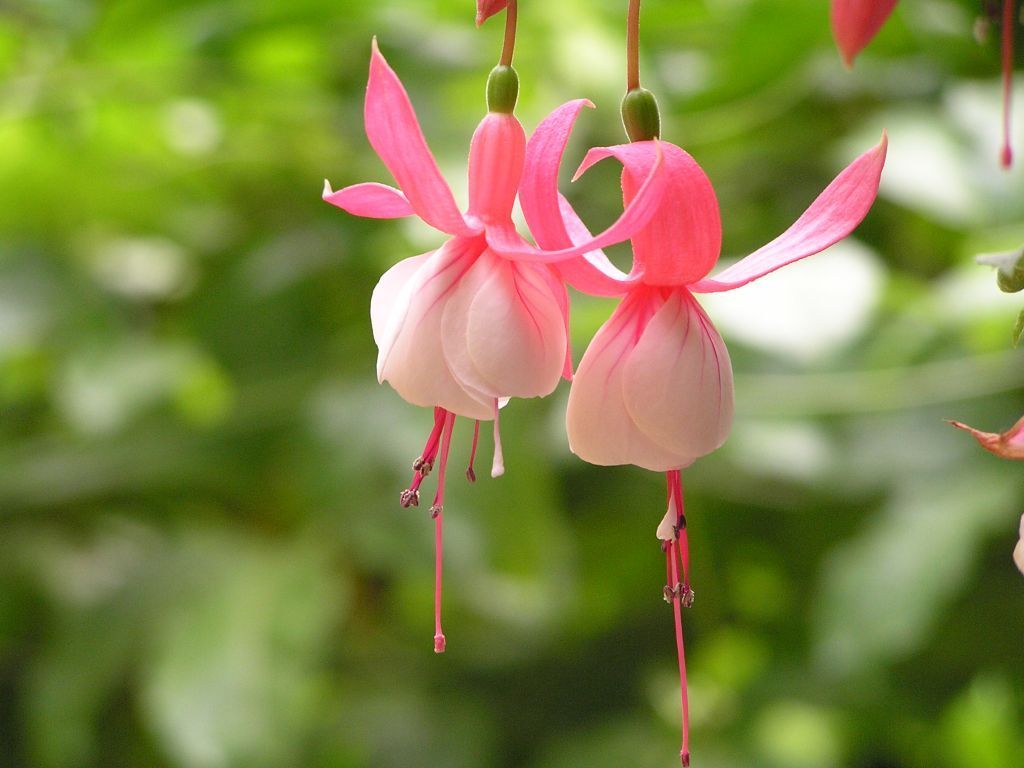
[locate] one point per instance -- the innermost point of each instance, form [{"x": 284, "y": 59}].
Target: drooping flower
[
  {"x": 654, "y": 388},
  {"x": 1005, "y": 445},
  {"x": 856, "y": 22},
  {"x": 464, "y": 327}
]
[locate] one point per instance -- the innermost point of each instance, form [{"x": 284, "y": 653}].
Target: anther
[
  {"x": 686, "y": 595},
  {"x": 435, "y": 510},
  {"x": 470, "y": 475},
  {"x": 409, "y": 498},
  {"x": 417, "y": 465},
  {"x": 425, "y": 468},
  {"x": 668, "y": 593}
]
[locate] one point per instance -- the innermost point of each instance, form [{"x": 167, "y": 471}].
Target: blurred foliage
[{"x": 202, "y": 559}]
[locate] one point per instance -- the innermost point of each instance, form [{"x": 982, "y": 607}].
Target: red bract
[
  {"x": 487, "y": 8},
  {"x": 856, "y": 22}
]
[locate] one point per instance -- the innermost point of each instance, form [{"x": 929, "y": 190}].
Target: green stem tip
[
  {"x": 502, "y": 89},
  {"x": 640, "y": 115}
]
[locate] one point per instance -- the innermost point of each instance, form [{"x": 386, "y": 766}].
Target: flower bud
[
  {"x": 1010, "y": 266},
  {"x": 502, "y": 89},
  {"x": 640, "y": 115}
]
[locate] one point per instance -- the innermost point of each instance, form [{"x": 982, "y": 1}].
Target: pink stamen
[
  {"x": 1006, "y": 156},
  {"x": 498, "y": 465},
  {"x": 421, "y": 467},
  {"x": 470, "y": 474},
  {"x": 437, "y": 512},
  {"x": 673, "y": 568}
]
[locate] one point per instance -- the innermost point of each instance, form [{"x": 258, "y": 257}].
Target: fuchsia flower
[
  {"x": 856, "y": 22},
  {"x": 484, "y": 317},
  {"x": 654, "y": 387}
]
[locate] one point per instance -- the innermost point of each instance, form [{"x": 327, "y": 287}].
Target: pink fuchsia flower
[
  {"x": 484, "y": 317},
  {"x": 654, "y": 388},
  {"x": 856, "y": 22},
  {"x": 1006, "y": 445}
]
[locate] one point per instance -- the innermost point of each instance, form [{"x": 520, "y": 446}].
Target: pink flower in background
[
  {"x": 856, "y": 22},
  {"x": 1006, "y": 445},
  {"x": 484, "y": 317},
  {"x": 487, "y": 8},
  {"x": 1018, "y": 551}
]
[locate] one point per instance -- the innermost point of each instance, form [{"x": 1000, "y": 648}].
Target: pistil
[
  {"x": 437, "y": 512},
  {"x": 679, "y": 594}
]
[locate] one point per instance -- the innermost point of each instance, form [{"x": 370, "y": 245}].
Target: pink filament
[
  {"x": 1006, "y": 156},
  {"x": 684, "y": 748},
  {"x": 438, "y": 512},
  {"x": 470, "y": 474}
]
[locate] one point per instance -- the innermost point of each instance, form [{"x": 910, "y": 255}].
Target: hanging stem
[
  {"x": 633, "y": 45},
  {"x": 1008, "y": 20},
  {"x": 511, "y": 14}
]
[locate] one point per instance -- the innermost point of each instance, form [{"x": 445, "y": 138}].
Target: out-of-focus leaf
[
  {"x": 882, "y": 590},
  {"x": 982, "y": 727}
]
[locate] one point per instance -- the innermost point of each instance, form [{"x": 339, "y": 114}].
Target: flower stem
[
  {"x": 1006, "y": 157},
  {"x": 508, "y": 49},
  {"x": 633, "y": 45}
]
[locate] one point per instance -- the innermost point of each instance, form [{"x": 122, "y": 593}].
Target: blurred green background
[{"x": 202, "y": 559}]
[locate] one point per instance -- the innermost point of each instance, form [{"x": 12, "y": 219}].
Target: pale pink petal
[
  {"x": 503, "y": 329},
  {"x": 677, "y": 383},
  {"x": 1007, "y": 445},
  {"x": 495, "y": 166},
  {"x": 505, "y": 241},
  {"x": 599, "y": 426},
  {"x": 1018, "y": 552},
  {"x": 413, "y": 361},
  {"x": 681, "y": 242},
  {"x": 390, "y": 300},
  {"x": 856, "y": 22},
  {"x": 557, "y": 287},
  {"x": 487, "y": 8},
  {"x": 394, "y": 133},
  {"x": 371, "y": 200},
  {"x": 835, "y": 214}
]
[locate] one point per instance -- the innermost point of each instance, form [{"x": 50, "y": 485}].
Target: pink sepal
[
  {"x": 505, "y": 241},
  {"x": 1007, "y": 445},
  {"x": 682, "y": 241},
  {"x": 370, "y": 200},
  {"x": 856, "y": 22},
  {"x": 487, "y": 8},
  {"x": 832, "y": 216},
  {"x": 395, "y": 135},
  {"x": 592, "y": 273}
]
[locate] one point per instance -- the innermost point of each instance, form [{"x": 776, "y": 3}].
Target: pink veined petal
[
  {"x": 557, "y": 286},
  {"x": 681, "y": 242},
  {"x": 495, "y": 166},
  {"x": 593, "y": 272},
  {"x": 677, "y": 383},
  {"x": 505, "y": 241},
  {"x": 598, "y": 424},
  {"x": 1007, "y": 445},
  {"x": 552, "y": 221},
  {"x": 503, "y": 330},
  {"x": 856, "y": 22},
  {"x": 832, "y": 216},
  {"x": 394, "y": 133},
  {"x": 487, "y": 8},
  {"x": 371, "y": 200},
  {"x": 414, "y": 363},
  {"x": 390, "y": 299},
  {"x": 538, "y": 192}
]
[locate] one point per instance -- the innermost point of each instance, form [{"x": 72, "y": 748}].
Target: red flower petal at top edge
[
  {"x": 856, "y": 22},
  {"x": 487, "y": 8},
  {"x": 1005, "y": 445}
]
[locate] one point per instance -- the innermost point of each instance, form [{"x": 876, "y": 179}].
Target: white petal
[
  {"x": 389, "y": 297},
  {"x": 677, "y": 383},
  {"x": 599, "y": 427},
  {"x": 414, "y": 362}
]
